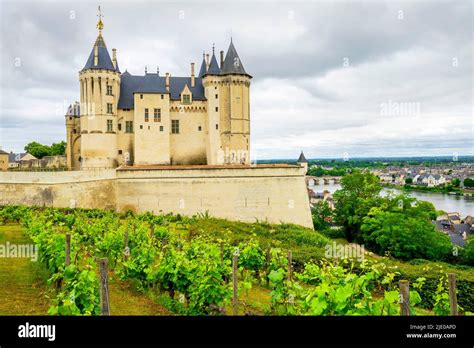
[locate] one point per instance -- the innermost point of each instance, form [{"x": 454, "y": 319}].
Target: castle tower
[
  {"x": 211, "y": 81},
  {"x": 73, "y": 135},
  {"x": 303, "y": 162},
  {"x": 235, "y": 106},
  {"x": 100, "y": 89}
]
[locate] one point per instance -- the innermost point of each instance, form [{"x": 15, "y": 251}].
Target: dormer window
[{"x": 186, "y": 99}]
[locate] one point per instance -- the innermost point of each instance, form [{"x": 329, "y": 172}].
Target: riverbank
[{"x": 454, "y": 192}]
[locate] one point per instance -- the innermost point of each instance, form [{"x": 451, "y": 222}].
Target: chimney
[
  {"x": 222, "y": 59},
  {"x": 207, "y": 62},
  {"x": 114, "y": 57},
  {"x": 167, "y": 81},
  {"x": 96, "y": 55},
  {"x": 193, "y": 82}
]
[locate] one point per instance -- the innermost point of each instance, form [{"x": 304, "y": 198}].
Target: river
[{"x": 449, "y": 203}]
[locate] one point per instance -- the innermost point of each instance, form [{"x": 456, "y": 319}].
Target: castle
[
  {"x": 124, "y": 119},
  {"x": 164, "y": 144}
]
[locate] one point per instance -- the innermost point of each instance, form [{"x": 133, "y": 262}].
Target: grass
[{"x": 24, "y": 291}]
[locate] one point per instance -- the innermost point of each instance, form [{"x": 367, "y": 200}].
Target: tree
[
  {"x": 58, "y": 149},
  {"x": 36, "y": 149},
  {"x": 405, "y": 237},
  {"x": 456, "y": 182},
  {"x": 468, "y": 182},
  {"x": 322, "y": 216},
  {"x": 409, "y": 181},
  {"x": 39, "y": 150},
  {"x": 358, "y": 194}
]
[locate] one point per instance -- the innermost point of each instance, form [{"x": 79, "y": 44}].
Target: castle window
[
  {"x": 157, "y": 115},
  {"x": 110, "y": 126},
  {"x": 146, "y": 115},
  {"x": 109, "y": 90},
  {"x": 217, "y": 109},
  {"x": 109, "y": 108},
  {"x": 217, "y": 126},
  {"x": 162, "y": 96},
  {"x": 128, "y": 126},
  {"x": 217, "y": 96},
  {"x": 119, "y": 126},
  {"x": 175, "y": 126},
  {"x": 141, "y": 126},
  {"x": 199, "y": 128},
  {"x": 74, "y": 131},
  {"x": 120, "y": 152},
  {"x": 161, "y": 128},
  {"x": 141, "y": 96},
  {"x": 186, "y": 99}
]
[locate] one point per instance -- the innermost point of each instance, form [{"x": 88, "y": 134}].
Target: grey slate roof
[
  {"x": 154, "y": 83},
  {"x": 302, "y": 159},
  {"x": 15, "y": 157},
  {"x": 74, "y": 110},
  {"x": 232, "y": 63},
  {"x": 213, "y": 66},
  {"x": 104, "y": 61},
  {"x": 202, "y": 71}
]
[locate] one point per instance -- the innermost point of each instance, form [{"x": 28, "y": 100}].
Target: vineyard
[{"x": 195, "y": 271}]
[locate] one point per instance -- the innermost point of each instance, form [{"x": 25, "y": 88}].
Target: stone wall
[{"x": 273, "y": 193}]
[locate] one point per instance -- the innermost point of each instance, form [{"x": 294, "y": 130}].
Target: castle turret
[
  {"x": 235, "y": 105},
  {"x": 73, "y": 135},
  {"x": 100, "y": 89},
  {"x": 303, "y": 162},
  {"x": 211, "y": 81}
]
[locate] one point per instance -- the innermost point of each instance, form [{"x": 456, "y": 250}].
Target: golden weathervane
[{"x": 100, "y": 24}]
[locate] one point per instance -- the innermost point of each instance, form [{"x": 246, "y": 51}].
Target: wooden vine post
[
  {"x": 404, "y": 298},
  {"x": 453, "y": 301},
  {"x": 235, "y": 299},
  {"x": 104, "y": 287},
  {"x": 68, "y": 249},
  {"x": 269, "y": 259},
  {"x": 290, "y": 270},
  {"x": 126, "y": 251}
]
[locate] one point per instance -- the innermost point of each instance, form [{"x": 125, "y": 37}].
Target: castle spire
[
  {"x": 100, "y": 24},
  {"x": 99, "y": 57},
  {"x": 232, "y": 63}
]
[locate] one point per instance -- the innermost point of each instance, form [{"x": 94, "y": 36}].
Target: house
[
  {"x": 435, "y": 180},
  {"x": 15, "y": 159},
  {"x": 4, "y": 160}
]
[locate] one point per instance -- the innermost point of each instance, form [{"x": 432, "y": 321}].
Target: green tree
[
  {"x": 58, "y": 149},
  {"x": 468, "y": 182},
  {"x": 456, "y": 182},
  {"x": 358, "y": 194},
  {"x": 39, "y": 150},
  {"x": 409, "y": 181},
  {"x": 322, "y": 216},
  {"x": 36, "y": 149}
]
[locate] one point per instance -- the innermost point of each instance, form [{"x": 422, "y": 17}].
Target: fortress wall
[{"x": 276, "y": 194}]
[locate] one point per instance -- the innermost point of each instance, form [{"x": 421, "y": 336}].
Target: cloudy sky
[{"x": 366, "y": 78}]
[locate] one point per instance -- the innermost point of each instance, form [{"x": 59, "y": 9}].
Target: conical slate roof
[
  {"x": 302, "y": 159},
  {"x": 104, "y": 61},
  {"x": 213, "y": 66},
  {"x": 202, "y": 71},
  {"x": 232, "y": 63}
]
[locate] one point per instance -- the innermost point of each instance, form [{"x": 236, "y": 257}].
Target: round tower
[
  {"x": 235, "y": 105},
  {"x": 100, "y": 92}
]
